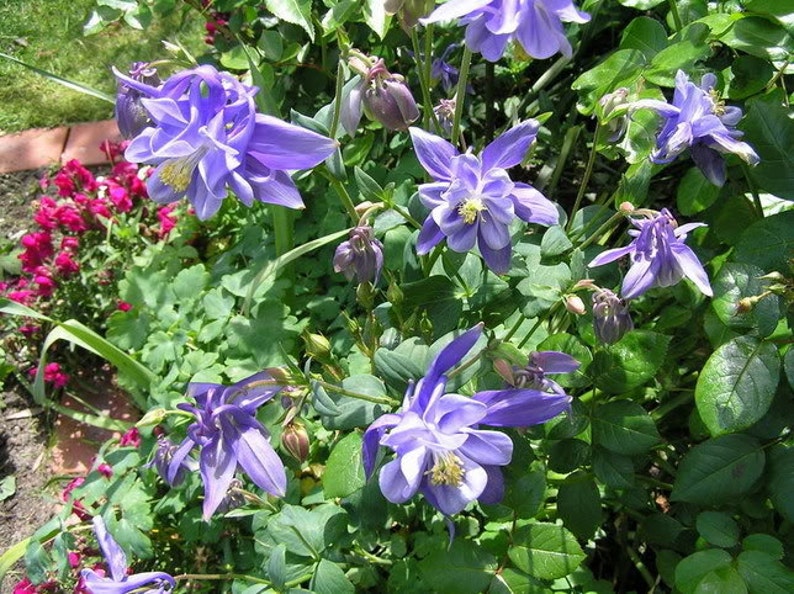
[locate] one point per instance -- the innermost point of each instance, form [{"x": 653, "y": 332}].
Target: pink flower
[
  {"x": 167, "y": 221},
  {"x": 132, "y": 438},
  {"x": 120, "y": 198},
  {"x": 25, "y": 587},
  {"x": 70, "y": 243},
  {"x": 38, "y": 249},
  {"x": 53, "y": 375},
  {"x": 46, "y": 284},
  {"x": 68, "y": 216},
  {"x": 29, "y": 330},
  {"x": 74, "y": 559},
  {"x": 65, "y": 264},
  {"x": 123, "y": 306},
  {"x": 105, "y": 470}
]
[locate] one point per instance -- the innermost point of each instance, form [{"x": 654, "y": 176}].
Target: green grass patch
[{"x": 49, "y": 35}]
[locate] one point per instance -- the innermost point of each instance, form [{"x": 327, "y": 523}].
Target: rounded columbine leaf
[
  {"x": 546, "y": 551},
  {"x": 624, "y": 427}
]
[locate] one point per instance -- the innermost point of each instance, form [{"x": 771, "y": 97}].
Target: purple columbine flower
[
  {"x": 473, "y": 200},
  {"x": 360, "y": 256},
  {"x": 119, "y": 582},
  {"x": 492, "y": 24},
  {"x": 440, "y": 450},
  {"x": 229, "y": 435},
  {"x": 443, "y": 71},
  {"x": 700, "y": 121},
  {"x": 611, "y": 319},
  {"x": 131, "y": 116},
  {"x": 163, "y": 455},
  {"x": 659, "y": 256},
  {"x": 206, "y": 140}
]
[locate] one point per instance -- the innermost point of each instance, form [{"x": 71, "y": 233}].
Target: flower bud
[
  {"x": 445, "y": 114},
  {"x": 391, "y": 103},
  {"x": 131, "y": 115},
  {"x": 611, "y": 319},
  {"x": 295, "y": 440},
  {"x": 410, "y": 11},
  {"x": 360, "y": 256},
  {"x": 317, "y": 346},
  {"x": 607, "y": 105},
  {"x": 575, "y": 305}
]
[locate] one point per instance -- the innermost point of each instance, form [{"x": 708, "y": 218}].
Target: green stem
[
  {"x": 282, "y": 227},
  {"x": 515, "y": 327},
  {"x": 358, "y": 395},
  {"x": 461, "y": 368},
  {"x": 640, "y": 567},
  {"x": 340, "y": 84},
  {"x": 753, "y": 190},
  {"x": 676, "y": 17},
  {"x": 424, "y": 79},
  {"x": 531, "y": 332},
  {"x": 221, "y": 577},
  {"x": 585, "y": 180},
  {"x": 344, "y": 197},
  {"x": 460, "y": 94},
  {"x": 598, "y": 232}
]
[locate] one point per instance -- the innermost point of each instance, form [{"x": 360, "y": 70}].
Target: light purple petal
[
  {"x": 554, "y": 362},
  {"x": 521, "y": 407},
  {"x": 488, "y": 447},
  {"x": 429, "y": 237},
  {"x": 533, "y": 207},
  {"x": 217, "y": 463},
  {"x": 371, "y": 441},
  {"x": 350, "y": 114},
  {"x": 510, "y": 148},
  {"x": 284, "y": 146},
  {"x": 450, "y": 499},
  {"x": 252, "y": 392},
  {"x": 611, "y": 255},
  {"x": 453, "y": 10},
  {"x": 494, "y": 234},
  {"x": 495, "y": 489},
  {"x": 497, "y": 260},
  {"x": 178, "y": 459},
  {"x": 113, "y": 553},
  {"x": 692, "y": 267},
  {"x": 258, "y": 459},
  {"x": 434, "y": 153},
  {"x": 640, "y": 277},
  {"x": 453, "y": 353},
  {"x": 452, "y": 412},
  {"x": 393, "y": 484}
]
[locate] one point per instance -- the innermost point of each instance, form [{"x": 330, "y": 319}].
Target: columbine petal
[
  {"x": 510, "y": 148},
  {"x": 488, "y": 447},
  {"x": 497, "y": 260},
  {"x": 454, "y": 9},
  {"x": 113, "y": 553},
  {"x": 258, "y": 459},
  {"x": 284, "y": 146},
  {"x": 453, "y": 353},
  {"x": 434, "y": 153},
  {"x": 217, "y": 462},
  {"x": 533, "y": 207},
  {"x": 521, "y": 407},
  {"x": 610, "y": 256},
  {"x": 640, "y": 277},
  {"x": 429, "y": 237},
  {"x": 692, "y": 267},
  {"x": 453, "y": 412}
]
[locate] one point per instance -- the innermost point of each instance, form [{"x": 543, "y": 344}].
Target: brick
[
  {"x": 84, "y": 141},
  {"x": 32, "y": 149}
]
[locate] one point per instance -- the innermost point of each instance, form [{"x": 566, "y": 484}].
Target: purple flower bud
[
  {"x": 391, "y": 103},
  {"x": 445, "y": 114},
  {"x": 611, "y": 319},
  {"x": 360, "y": 256},
  {"x": 162, "y": 459},
  {"x": 131, "y": 116},
  {"x": 295, "y": 440}
]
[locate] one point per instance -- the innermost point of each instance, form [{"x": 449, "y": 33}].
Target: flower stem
[
  {"x": 460, "y": 94},
  {"x": 585, "y": 180},
  {"x": 598, "y": 232},
  {"x": 344, "y": 197},
  {"x": 422, "y": 61},
  {"x": 282, "y": 227},
  {"x": 340, "y": 84},
  {"x": 676, "y": 17},
  {"x": 358, "y": 395}
]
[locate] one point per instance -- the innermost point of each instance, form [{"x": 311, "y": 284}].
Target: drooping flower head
[
  {"x": 659, "y": 257},
  {"x": 228, "y": 435},
  {"x": 360, "y": 256},
  {"x": 381, "y": 95},
  {"x": 131, "y": 116},
  {"x": 206, "y": 139},
  {"x": 473, "y": 200},
  {"x": 698, "y": 120},
  {"x": 120, "y": 582},
  {"x": 611, "y": 319},
  {"x": 440, "y": 450},
  {"x": 443, "y": 71},
  {"x": 492, "y": 24}
]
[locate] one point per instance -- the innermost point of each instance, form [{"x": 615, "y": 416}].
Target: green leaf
[
  {"x": 747, "y": 76},
  {"x": 624, "y": 427},
  {"x": 760, "y": 37},
  {"x": 781, "y": 480},
  {"x": 737, "y": 385},
  {"x": 403, "y": 364},
  {"x": 682, "y": 53},
  {"x": 297, "y": 12},
  {"x": 695, "y": 193},
  {"x": 693, "y": 569},
  {"x": 546, "y": 551},
  {"x": 8, "y": 486},
  {"x": 630, "y": 362},
  {"x": 465, "y": 568},
  {"x": 640, "y": 4},
  {"x": 646, "y": 35},
  {"x": 718, "y": 528},
  {"x": 525, "y": 493},
  {"x": 788, "y": 365},
  {"x": 437, "y": 296},
  {"x": 764, "y": 543},
  {"x": 769, "y": 129},
  {"x": 719, "y": 470},
  {"x": 330, "y": 579},
  {"x": 613, "y": 469},
  {"x": 735, "y": 281},
  {"x": 568, "y": 454},
  {"x": 555, "y": 242},
  {"x": 354, "y": 412},
  {"x": 620, "y": 69},
  {"x": 579, "y": 505},
  {"x": 376, "y": 18},
  {"x": 768, "y": 243},
  {"x": 765, "y": 574},
  {"x": 344, "y": 471}
]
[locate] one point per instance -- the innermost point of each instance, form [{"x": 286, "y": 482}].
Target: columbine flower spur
[
  {"x": 473, "y": 200},
  {"x": 492, "y": 24},
  {"x": 206, "y": 140},
  {"x": 698, "y": 120},
  {"x": 659, "y": 257}
]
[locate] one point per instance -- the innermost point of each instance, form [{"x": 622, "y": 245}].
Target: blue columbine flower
[
  {"x": 611, "y": 318},
  {"x": 491, "y": 24},
  {"x": 131, "y": 117},
  {"x": 473, "y": 199},
  {"x": 360, "y": 256},
  {"x": 659, "y": 256},
  {"x": 700, "y": 121},
  {"x": 440, "y": 450},
  {"x": 443, "y": 71},
  {"x": 119, "y": 582},
  {"x": 229, "y": 435},
  {"x": 206, "y": 139}
]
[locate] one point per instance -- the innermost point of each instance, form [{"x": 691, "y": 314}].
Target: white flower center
[
  {"x": 447, "y": 470},
  {"x": 470, "y": 209}
]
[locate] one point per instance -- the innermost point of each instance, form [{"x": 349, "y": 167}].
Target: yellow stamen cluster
[
  {"x": 177, "y": 173},
  {"x": 470, "y": 209},
  {"x": 719, "y": 104},
  {"x": 448, "y": 470}
]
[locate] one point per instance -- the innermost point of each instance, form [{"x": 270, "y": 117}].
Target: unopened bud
[
  {"x": 610, "y": 103},
  {"x": 131, "y": 116},
  {"x": 575, "y": 305},
  {"x": 152, "y": 417},
  {"x": 394, "y": 294},
  {"x": 365, "y": 295},
  {"x": 317, "y": 346},
  {"x": 626, "y": 207},
  {"x": 410, "y": 11},
  {"x": 445, "y": 114},
  {"x": 295, "y": 440},
  {"x": 391, "y": 103},
  {"x": 611, "y": 319},
  {"x": 361, "y": 256}
]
